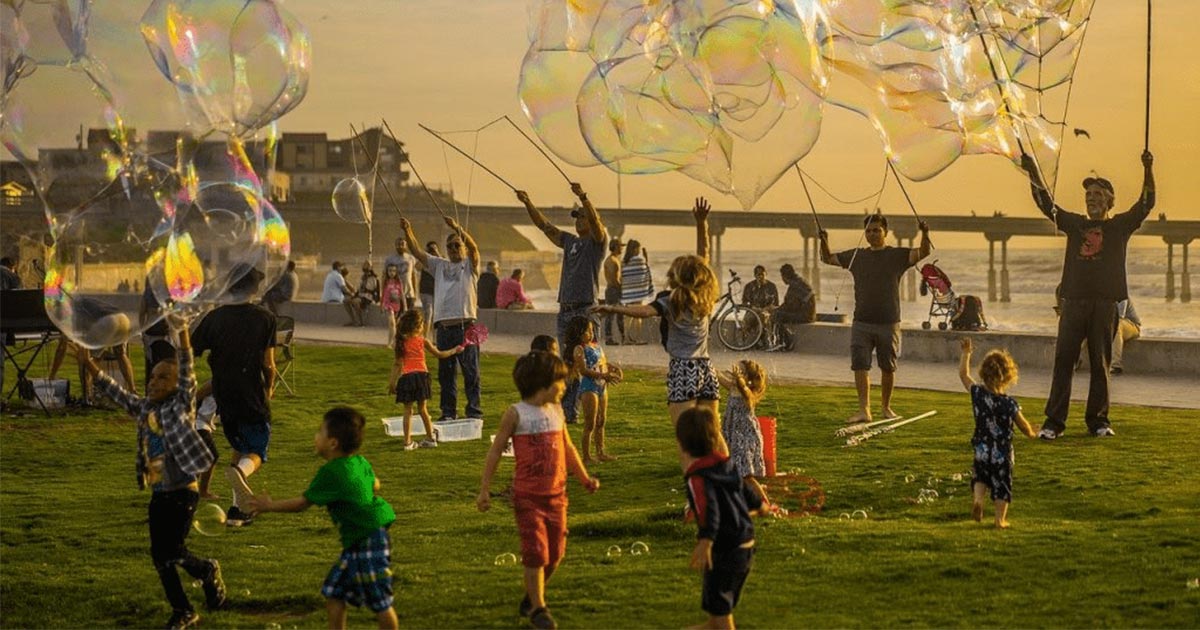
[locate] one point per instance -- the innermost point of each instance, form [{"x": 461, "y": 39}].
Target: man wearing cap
[
  {"x": 1093, "y": 282},
  {"x": 240, "y": 340},
  {"x": 612, "y": 291},
  {"x": 583, "y": 253}
]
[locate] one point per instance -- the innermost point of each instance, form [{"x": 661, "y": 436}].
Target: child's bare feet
[
  {"x": 605, "y": 457},
  {"x": 210, "y": 496},
  {"x": 860, "y": 417},
  {"x": 888, "y": 414},
  {"x": 977, "y": 512}
]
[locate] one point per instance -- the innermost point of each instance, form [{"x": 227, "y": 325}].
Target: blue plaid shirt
[{"x": 185, "y": 453}]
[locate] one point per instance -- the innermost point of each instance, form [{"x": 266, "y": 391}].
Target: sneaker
[
  {"x": 526, "y": 607},
  {"x": 427, "y": 443},
  {"x": 241, "y": 489},
  {"x": 1047, "y": 434},
  {"x": 411, "y": 446},
  {"x": 541, "y": 618},
  {"x": 182, "y": 619},
  {"x": 214, "y": 588},
  {"x": 237, "y": 518},
  {"x": 1104, "y": 432},
  {"x": 1115, "y": 370}
]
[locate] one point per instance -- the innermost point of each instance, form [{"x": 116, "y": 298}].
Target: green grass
[{"x": 1105, "y": 532}]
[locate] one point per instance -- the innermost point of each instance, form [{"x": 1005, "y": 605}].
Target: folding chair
[{"x": 285, "y": 332}]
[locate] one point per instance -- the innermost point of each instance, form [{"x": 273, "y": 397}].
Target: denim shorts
[{"x": 248, "y": 438}]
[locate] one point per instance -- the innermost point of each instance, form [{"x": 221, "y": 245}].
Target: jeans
[
  {"x": 451, "y": 337},
  {"x": 567, "y": 312},
  {"x": 612, "y": 295},
  {"x": 1095, "y": 321},
  {"x": 170, "y": 521}
]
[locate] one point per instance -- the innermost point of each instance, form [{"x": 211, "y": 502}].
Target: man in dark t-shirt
[
  {"x": 240, "y": 340},
  {"x": 579, "y": 283},
  {"x": 487, "y": 284},
  {"x": 1093, "y": 281},
  {"x": 877, "y": 270}
]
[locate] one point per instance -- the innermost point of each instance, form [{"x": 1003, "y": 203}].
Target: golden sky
[{"x": 454, "y": 65}]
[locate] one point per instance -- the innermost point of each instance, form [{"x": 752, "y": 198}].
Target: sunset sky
[{"x": 455, "y": 65}]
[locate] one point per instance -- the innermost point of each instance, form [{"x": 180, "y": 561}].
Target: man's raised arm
[
  {"x": 1041, "y": 195},
  {"x": 590, "y": 215},
  {"x": 468, "y": 242},
  {"x": 1145, "y": 202},
  {"x": 539, "y": 219},
  {"x": 413, "y": 246}
]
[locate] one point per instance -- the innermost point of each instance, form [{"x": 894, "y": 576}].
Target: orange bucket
[{"x": 767, "y": 425}]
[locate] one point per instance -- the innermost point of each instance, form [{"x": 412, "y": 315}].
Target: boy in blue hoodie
[{"x": 722, "y": 504}]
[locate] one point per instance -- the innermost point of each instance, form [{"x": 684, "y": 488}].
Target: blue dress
[
  {"x": 995, "y": 415},
  {"x": 744, "y": 436}
]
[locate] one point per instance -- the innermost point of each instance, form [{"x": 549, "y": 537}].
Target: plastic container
[
  {"x": 767, "y": 425},
  {"x": 458, "y": 430},
  {"x": 508, "y": 448},
  {"x": 394, "y": 426},
  {"x": 53, "y": 394}
]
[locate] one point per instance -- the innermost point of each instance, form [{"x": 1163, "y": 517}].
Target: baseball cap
[{"x": 1099, "y": 181}]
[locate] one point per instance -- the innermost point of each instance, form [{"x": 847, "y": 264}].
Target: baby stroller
[{"x": 944, "y": 303}]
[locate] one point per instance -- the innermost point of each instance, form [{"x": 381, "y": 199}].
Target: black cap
[{"x": 1099, "y": 181}]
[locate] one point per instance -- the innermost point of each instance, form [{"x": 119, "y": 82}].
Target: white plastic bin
[
  {"x": 394, "y": 426},
  {"x": 508, "y": 448},
  {"x": 458, "y": 430},
  {"x": 53, "y": 394}
]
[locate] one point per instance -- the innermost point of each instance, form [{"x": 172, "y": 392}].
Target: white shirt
[
  {"x": 454, "y": 295},
  {"x": 335, "y": 287}
]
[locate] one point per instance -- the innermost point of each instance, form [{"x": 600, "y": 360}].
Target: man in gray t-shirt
[
  {"x": 877, "y": 270},
  {"x": 454, "y": 311},
  {"x": 583, "y": 253}
]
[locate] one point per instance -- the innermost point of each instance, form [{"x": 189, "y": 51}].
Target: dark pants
[
  {"x": 567, "y": 312},
  {"x": 450, "y": 337},
  {"x": 1094, "y": 321},
  {"x": 170, "y": 521},
  {"x": 612, "y": 295}
]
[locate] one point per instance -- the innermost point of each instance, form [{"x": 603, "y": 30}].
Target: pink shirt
[
  {"x": 540, "y": 449},
  {"x": 510, "y": 291},
  {"x": 392, "y": 297}
]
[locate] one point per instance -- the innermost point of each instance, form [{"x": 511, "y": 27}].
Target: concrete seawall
[{"x": 1173, "y": 357}]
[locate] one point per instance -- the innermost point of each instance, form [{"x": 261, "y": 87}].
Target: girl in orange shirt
[{"x": 410, "y": 374}]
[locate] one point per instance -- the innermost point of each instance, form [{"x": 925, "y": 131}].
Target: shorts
[
  {"x": 589, "y": 385},
  {"x": 691, "y": 379},
  {"x": 207, "y": 438},
  {"x": 413, "y": 387},
  {"x": 363, "y": 575},
  {"x": 542, "y": 525},
  {"x": 248, "y": 438},
  {"x": 884, "y": 339},
  {"x": 723, "y": 583}
]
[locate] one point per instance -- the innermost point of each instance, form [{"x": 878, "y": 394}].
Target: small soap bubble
[
  {"x": 505, "y": 559},
  {"x": 209, "y": 520},
  {"x": 1193, "y": 583},
  {"x": 246, "y": 592},
  {"x": 909, "y": 478},
  {"x": 638, "y": 548},
  {"x": 845, "y": 516},
  {"x": 613, "y": 551},
  {"x": 197, "y": 584},
  {"x": 957, "y": 477},
  {"x": 274, "y": 626},
  {"x": 860, "y": 514}
]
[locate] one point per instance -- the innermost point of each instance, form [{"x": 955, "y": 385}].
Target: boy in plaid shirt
[{"x": 171, "y": 455}]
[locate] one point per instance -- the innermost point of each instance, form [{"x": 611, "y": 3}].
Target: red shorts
[{"x": 542, "y": 524}]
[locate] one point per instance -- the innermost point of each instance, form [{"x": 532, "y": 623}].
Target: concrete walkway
[{"x": 816, "y": 369}]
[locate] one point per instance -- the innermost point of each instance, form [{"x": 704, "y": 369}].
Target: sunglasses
[{"x": 454, "y": 245}]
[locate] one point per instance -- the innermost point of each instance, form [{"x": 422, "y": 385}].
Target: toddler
[
  {"x": 747, "y": 383},
  {"x": 595, "y": 374},
  {"x": 995, "y": 415}
]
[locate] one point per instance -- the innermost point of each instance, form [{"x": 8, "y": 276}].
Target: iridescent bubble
[
  {"x": 351, "y": 202},
  {"x": 613, "y": 551},
  {"x": 209, "y": 520},
  {"x": 956, "y": 477},
  {"x": 1193, "y": 583},
  {"x": 638, "y": 548},
  {"x": 505, "y": 559},
  {"x": 844, "y": 516},
  {"x": 49, "y": 32},
  {"x": 909, "y": 478},
  {"x": 859, "y": 514}
]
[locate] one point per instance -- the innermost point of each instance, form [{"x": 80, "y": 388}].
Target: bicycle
[{"x": 739, "y": 327}]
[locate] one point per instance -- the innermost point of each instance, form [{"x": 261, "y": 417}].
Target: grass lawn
[{"x": 1104, "y": 532}]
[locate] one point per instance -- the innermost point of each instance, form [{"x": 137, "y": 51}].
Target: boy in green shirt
[{"x": 346, "y": 486}]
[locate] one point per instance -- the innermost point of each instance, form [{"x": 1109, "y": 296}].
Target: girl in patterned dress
[
  {"x": 686, "y": 311},
  {"x": 588, "y": 363},
  {"x": 392, "y": 299},
  {"x": 995, "y": 415},
  {"x": 747, "y": 383}
]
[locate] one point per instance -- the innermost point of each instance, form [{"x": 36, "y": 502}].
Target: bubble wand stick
[
  {"x": 468, "y": 156},
  {"x": 387, "y": 189},
  {"x": 414, "y": 170},
  {"x": 907, "y": 198},
  {"x": 540, "y": 150}
]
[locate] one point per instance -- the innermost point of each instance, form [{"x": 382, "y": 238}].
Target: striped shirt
[{"x": 636, "y": 283}]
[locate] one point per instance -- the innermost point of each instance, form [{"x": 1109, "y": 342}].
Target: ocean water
[{"x": 1033, "y": 274}]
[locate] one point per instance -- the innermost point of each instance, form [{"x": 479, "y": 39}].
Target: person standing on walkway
[
  {"x": 455, "y": 308},
  {"x": 406, "y": 267},
  {"x": 583, "y": 253},
  {"x": 637, "y": 286},
  {"x": 612, "y": 291},
  {"x": 1093, "y": 281},
  {"x": 427, "y": 283},
  {"x": 877, "y": 270}
]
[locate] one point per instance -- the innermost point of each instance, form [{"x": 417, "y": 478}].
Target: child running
[
  {"x": 410, "y": 374},
  {"x": 392, "y": 299},
  {"x": 725, "y": 543},
  {"x": 544, "y": 454},
  {"x": 346, "y": 485},
  {"x": 595, "y": 374},
  {"x": 171, "y": 455},
  {"x": 995, "y": 415},
  {"x": 686, "y": 310},
  {"x": 747, "y": 383}
]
